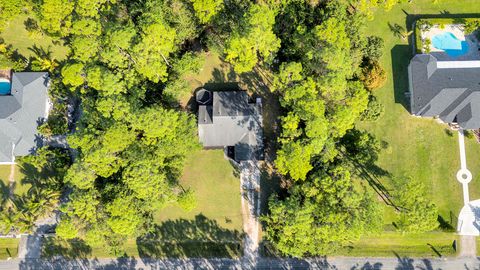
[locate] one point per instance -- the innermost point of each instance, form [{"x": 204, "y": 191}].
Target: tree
[
  {"x": 255, "y": 38},
  {"x": 127, "y": 170},
  {"x": 373, "y": 75},
  {"x": 8, "y": 10},
  {"x": 417, "y": 212},
  {"x": 66, "y": 229},
  {"x": 374, "y": 47},
  {"x": 374, "y": 110},
  {"x": 73, "y": 74},
  {"x": 56, "y": 16},
  {"x": 187, "y": 200},
  {"x": 321, "y": 215},
  {"x": 206, "y": 9},
  {"x": 152, "y": 52}
]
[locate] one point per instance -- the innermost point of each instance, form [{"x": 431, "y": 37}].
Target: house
[
  {"x": 24, "y": 105},
  {"x": 226, "y": 119},
  {"x": 449, "y": 90}
]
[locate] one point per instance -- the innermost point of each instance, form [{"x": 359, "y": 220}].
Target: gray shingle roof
[
  {"x": 229, "y": 120},
  {"x": 449, "y": 90},
  {"x": 20, "y": 114}
]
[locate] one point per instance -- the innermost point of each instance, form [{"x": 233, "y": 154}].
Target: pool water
[
  {"x": 449, "y": 43},
  {"x": 4, "y": 88}
]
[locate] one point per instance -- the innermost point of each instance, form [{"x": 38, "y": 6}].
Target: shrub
[
  {"x": 427, "y": 44},
  {"x": 374, "y": 48},
  {"x": 374, "y": 110},
  {"x": 471, "y": 26},
  {"x": 373, "y": 75}
]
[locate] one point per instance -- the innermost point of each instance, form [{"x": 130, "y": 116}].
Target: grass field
[
  {"x": 420, "y": 148},
  {"x": 216, "y": 187},
  {"x": 16, "y": 35},
  {"x": 8, "y": 248},
  {"x": 389, "y": 244}
]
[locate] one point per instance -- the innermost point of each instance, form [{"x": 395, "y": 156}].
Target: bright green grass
[
  {"x": 389, "y": 244},
  {"x": 419, "y": 147},
  {"x": 8, "y": 248},
  {"x": 16, "y": 35},
  {"x": 216, "y": 188}
]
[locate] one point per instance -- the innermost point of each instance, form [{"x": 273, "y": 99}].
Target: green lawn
[
  {"x": 8, "y": 248},
  {"x": 420, "y": 148},
  {"x": 389, "y": 244},
  {"x": 16, "y": 35},
  {"x": 216, "y": 187}
]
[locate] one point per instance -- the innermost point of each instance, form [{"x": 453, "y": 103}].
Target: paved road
[{"x": 339, "y": 263}]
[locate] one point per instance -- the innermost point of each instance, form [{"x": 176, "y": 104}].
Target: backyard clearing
[{"x": 17, "y": 36}]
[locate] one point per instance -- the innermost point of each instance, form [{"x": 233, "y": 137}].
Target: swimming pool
[
  {"x": 4, "y": 87},
  {"x": 449, "y": 43}
]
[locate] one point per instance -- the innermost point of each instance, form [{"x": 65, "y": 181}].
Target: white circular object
[{"x": 464, "y": 176}]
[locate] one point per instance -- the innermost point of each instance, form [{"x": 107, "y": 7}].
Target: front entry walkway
[{"x": 467, "y": 227}]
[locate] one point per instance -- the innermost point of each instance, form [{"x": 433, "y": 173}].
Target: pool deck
[
  {"x": 457, "y": 30},
  {"x": 6, "y": 74}
]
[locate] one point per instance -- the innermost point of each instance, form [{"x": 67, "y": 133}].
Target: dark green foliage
[
  {"x": 471, "y": 26},
  {"x": 57, "y": 122},
  {"x": 44, "y": 171},
  {"x": 374, "y": 110},
  {"x": 374, "y": 48}
]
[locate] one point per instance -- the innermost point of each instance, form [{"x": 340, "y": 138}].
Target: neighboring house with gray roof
[
  {"x": 449, "y": 90},
  {"x": 21, "y": 112},
  {"x": 228, "y": 119}
]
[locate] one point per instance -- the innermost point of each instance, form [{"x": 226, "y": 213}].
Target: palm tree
[{"x": 405, "y": 34}]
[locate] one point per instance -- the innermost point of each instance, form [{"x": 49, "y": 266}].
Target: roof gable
[{"x": 445, "y": 89}]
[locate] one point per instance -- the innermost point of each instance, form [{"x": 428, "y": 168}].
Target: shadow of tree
[
  {"x": 5, "y": 192},
  {"x": 69, "y": 249},
  {"x": 368, "y": 266},
  {"x": 182, "y": 238}
]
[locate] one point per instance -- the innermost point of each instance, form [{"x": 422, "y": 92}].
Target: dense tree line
[{"x": 126, "y": 62}]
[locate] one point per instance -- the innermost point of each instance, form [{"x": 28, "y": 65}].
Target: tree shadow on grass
[
  {"x": 182, "y": 238},
  {"x": 401, "y": 55},
  {"x": 70, "y": 249},
  {"x": 5, "y": 193}
]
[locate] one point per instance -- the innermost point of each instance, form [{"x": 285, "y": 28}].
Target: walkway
[
  {"x": 397, "y": 263},
  {"x": 467, "y": 226},
  {"x": 464, "y": 176}
]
